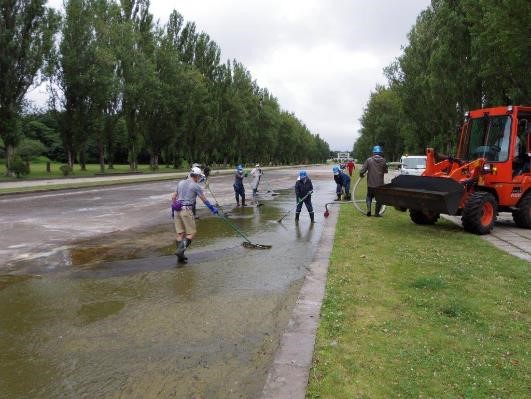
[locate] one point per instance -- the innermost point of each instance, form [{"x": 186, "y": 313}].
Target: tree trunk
[
  {"x": 70, "y": 156},
  {"x": 132, "y": 157},
  {"x": 10, "y": 156},
  {"x": 102, "y": 159},
  {"x": 83, "y": 160}
]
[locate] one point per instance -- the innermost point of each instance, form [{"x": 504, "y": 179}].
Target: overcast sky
[{"x": 320, "y": 58}]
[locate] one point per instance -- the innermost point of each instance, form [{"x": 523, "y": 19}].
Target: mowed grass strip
[
  {"x": 420, "y": 311},
  {"x": 38, "y": 170}
]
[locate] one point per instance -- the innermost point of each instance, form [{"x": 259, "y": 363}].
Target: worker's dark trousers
[
  {"x": 239, "y": 191},
  {"x": 308, "y": 202},
  {"x": 368, "y": 201}
]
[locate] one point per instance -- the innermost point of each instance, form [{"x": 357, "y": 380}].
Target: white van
[{"x": 412, "y": 165}]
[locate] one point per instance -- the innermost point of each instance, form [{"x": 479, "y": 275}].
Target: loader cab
[
  {"x": 487, "y": 137},
  {"x": 522, "y": 146}
]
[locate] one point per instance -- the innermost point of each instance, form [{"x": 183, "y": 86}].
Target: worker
[
  {"x": 206, "y": 171},
  {"x": 303, "y": 193},
  {"x": 182, "y": 201},
  {"x": 239, "y": 189},
  {"x": 342, "y": 183},
  {"x": 375, "y": 167},
  {"x": 350, "y": 167},
  {"x": 256, "y": 173}
]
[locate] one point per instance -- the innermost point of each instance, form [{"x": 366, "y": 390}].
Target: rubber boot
[
  {"x": 237, "y": 199},
  {"x": 243, "y": 201},
  {"x": 179, "y": 252},
  {"x": 312, "y": 217},
  {"x": 338, "y": 197},
  {"x": 297, "y": 217},
  {"x": 185, "y": 244},
  {"x": 377, "y": 210},
  {"x": 368, "y": 203},
  {"x": 348, "y": 197}
]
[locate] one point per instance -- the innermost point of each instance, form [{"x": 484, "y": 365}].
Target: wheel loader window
[{"x": 490, "y": 138}]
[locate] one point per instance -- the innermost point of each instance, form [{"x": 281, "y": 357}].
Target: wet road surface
[{"x": 96, "y": 306}]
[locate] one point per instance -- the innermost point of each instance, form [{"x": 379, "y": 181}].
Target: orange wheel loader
[{"x": 489, "y": 174}]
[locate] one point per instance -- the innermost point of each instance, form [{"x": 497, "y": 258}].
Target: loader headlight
[{"x": 489, "y": 168}]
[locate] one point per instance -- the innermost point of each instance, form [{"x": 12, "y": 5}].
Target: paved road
[
  {"x": 506, "y": 236},
  {"x": 40, "y": 224}
]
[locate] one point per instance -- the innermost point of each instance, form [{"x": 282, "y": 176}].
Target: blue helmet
[
  {"x": 303, "y": 173},
  {"x": 377, "y": 149},
  {"x": 239, "y": 167},
  {"x": 336, "y": 170}
]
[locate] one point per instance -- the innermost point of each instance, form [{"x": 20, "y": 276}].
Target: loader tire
[
  {"x": 423, "y": 217},
  {"x": 479, "y": 213},
  {"x": 522, "y": 215}
]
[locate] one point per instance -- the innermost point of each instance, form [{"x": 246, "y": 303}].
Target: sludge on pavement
[{"x": 102, "y": 326}]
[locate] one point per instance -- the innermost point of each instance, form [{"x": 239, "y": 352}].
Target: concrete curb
[{"x": 288, "y": 376}]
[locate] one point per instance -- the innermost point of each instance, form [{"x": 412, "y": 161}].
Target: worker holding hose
[
  {"x": 183, "y": 200},
  {"x": 239, "y": 189},
  {"x": 375, "y": 167},
  {"x": 303, "y": 191}
]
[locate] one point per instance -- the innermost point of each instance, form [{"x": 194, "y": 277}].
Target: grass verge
[
  {"x": 420, "y": 311},
  {"x": 38, "y": 170}
]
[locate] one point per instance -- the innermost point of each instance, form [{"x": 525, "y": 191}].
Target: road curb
[{"x": 288, "y": 376}]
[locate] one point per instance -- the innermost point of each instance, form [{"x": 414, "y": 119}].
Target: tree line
[
  {"x": 461, "y": 55},
  {"x": 123, "y": 87}
]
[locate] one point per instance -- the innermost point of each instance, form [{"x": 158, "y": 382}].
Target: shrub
[
  {"x": 66, "y": 169},
  {"x": 19, "y": 167},
  {"x": 28, "y": 148}
]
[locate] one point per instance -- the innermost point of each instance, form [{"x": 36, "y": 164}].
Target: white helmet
[
  {"x": 196, "y": 171},
  {"x": 257, "y": 165}
]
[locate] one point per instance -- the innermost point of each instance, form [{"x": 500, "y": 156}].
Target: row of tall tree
[
  {"x": 118, "y": 78},
  {"x": 461, "y": 55}
]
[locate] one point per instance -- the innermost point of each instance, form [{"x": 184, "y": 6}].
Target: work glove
[
  {"x": 362, "y": 175},
  {"x": 298, "y": 200},
  {"x": 212, "y": 208},
  {"x": 246, "y": 174}
]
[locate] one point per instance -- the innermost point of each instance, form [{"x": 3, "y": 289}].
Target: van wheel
[
  {"x": 423, "y": 217},
  {"x": 479, "y": 213},
  {"x": 522, "y": 215}
]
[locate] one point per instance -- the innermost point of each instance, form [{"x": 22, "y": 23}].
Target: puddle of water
[{"x": 107, "y": 326}]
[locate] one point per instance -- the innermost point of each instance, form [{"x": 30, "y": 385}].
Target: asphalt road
[{"x": 39, "y": 225}]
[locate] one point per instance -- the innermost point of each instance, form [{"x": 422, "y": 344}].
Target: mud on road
[{"x": 93, "y": 303}]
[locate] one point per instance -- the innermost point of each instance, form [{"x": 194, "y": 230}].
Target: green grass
[
  {"x": 38, "y": 170},
  {"x": 420, "y": 311}
]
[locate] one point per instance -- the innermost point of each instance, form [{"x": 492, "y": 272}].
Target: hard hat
[
  {"x": 377, "y": 149},
  {"x": 335, "y": 169},
  {"x": 196, "y": 171},
  {"x": 257, "y": 165},
  {"x": 239, "y": 167},
  {"x": 303, "y": 173}
]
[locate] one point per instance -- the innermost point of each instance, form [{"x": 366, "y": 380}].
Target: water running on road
[{"x": 115, "y": 317}]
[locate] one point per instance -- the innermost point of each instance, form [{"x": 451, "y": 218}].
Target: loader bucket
[{"x": 423, "y": 193}]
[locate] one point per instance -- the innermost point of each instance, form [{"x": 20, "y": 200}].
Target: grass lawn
[
  {"x": 421, "y": 312},
  {"x": 38, "y": 170}
]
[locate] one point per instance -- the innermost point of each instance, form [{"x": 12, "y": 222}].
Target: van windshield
[{"x": 414, "y": 163}]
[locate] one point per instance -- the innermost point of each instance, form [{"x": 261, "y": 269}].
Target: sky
[{"x": 320, "y": 58}]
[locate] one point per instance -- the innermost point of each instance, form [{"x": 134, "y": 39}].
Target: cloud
[{"x": 320, "y": 58}]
